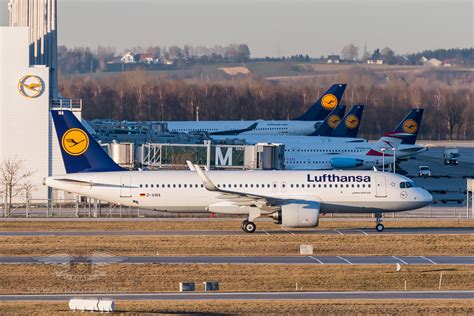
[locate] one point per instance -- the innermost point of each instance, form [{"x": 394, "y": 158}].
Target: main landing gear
[
  {"x": 248, "y": 226},
  {"x": 378, "y": 219}
]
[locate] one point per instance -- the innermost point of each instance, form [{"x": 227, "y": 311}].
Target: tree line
[{"x": 139, "y": 96}]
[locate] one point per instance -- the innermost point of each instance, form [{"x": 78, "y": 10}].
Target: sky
[{"x": 270, "y": 28}]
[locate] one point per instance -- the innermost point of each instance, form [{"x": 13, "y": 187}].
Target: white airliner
[
  {"x": 306, "y": 124},
  {"x": 326, "y": 152},
  {"x": 355, "y": 156},
  {"x": 292, "y": 198}
]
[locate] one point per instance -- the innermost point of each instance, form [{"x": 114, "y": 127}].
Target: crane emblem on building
[{"x": 31, "y": 86}]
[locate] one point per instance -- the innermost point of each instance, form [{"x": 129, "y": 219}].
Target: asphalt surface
[
  {"x": 378, "y": 295},
  {"x": 60, "y": 258},
  {"x": 404, "y": 231}
]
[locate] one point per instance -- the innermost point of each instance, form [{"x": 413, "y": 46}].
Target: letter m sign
[{"x": 221, "y": 159}]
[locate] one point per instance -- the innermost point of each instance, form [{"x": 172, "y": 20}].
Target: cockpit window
[{"x": 407, "y": 185}]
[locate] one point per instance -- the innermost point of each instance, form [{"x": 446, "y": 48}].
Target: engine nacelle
[
  {"x": 297, "y": 215},
  {"x": 346, "y": 162}
]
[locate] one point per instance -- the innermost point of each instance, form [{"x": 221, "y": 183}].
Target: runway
[
  {"x": 378, "y": 295},
  {"x": 365, "y": 231},
  {"x": 318, "y": 260}
]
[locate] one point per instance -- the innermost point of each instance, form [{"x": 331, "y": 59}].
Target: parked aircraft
[
  {"x": 292, "y": 198},
  {"x": 356, "y": 156},
  {"x": 322, "y": 152},
  {"x": 302, "y": 125}
]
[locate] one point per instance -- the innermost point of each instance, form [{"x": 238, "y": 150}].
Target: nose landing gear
[{"x": 378, "y": 219}]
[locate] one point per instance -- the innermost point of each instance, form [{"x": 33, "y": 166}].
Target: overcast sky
[{"x": 274, "y": 28}]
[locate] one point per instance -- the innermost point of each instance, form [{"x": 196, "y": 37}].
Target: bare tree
[
  {"x": 15, "y": 180},
  {"x": 454, "y": 109},
  {"x": 350, "y": 52}
]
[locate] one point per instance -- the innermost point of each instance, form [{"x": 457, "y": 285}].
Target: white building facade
[
  {"x": 28, "y": 89},
  {"x": 24, "y": 108}
]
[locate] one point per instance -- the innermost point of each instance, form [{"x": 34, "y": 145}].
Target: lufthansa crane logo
[
  {"x": 334, "y": 120},
  {"x": 75, "y": 141},
  {"x": 410, "y": 126},
  {"x": 31, "y": 86},
  {"x": 329, "y": 101},
  {"x": 352, "y": 121}
]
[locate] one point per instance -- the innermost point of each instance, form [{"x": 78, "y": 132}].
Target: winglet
[
  {"x": 205, "y": 179},
  {"x": 190, "y": 165}
]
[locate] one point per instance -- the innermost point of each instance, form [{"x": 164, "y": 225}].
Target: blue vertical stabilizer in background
[
  {"x": 410, "y": 125},
  {"x": 325, "y": 104},
  {"x": 350, "y": 124},
  {"x": 330, "y": 122}
]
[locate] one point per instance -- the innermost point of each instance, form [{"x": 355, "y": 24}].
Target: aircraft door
[
  {"x": 126, "y": 186},
  {"x": 380, "y": 187}
]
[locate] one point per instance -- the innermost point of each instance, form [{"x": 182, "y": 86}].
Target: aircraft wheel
[
  {"x": 379, "y": 227},
  {"x": 250, "y": 227},
  {"x": 242, "y": 225}
]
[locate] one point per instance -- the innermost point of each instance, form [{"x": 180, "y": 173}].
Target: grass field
[
  {"x": 341, "y": 307},
  {"x": 247, "y": 245},
  {"x": 48, "y": 279},
  {"x": 213, "y": 224}
]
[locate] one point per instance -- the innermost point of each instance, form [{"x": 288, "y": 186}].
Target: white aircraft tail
[{"x": 387, "y": 145}]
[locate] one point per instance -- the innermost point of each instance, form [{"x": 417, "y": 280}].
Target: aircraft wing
[
  {"x": 239, "y": 198},
  {"x": 235, "y": 132}
]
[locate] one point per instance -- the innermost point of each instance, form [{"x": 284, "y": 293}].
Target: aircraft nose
[{"x": 426, "y": 197}]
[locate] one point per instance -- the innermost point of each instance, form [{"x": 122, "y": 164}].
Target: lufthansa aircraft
[
  {"x": 303, "y": 125},
  {"x": 322, "y": 152},
  {"x": 292, "y": 198}
]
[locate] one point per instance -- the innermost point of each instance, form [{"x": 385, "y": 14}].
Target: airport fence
[{"x": 95, "y": 209}]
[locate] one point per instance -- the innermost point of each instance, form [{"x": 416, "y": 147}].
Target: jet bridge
[{"x": 261, "y": 156}]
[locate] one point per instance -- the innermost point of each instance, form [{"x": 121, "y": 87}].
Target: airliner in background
[
  {"x": 355, "y": 156},
  {"x": 291, "y": 198},
  {"x": 345, "y": 151},
  {"x": 302, "y": 125}
]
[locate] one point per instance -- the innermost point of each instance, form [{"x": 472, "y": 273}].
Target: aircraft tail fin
[
  {"x": 325, "y": 104},
  {"x": 80, "y": 151},
  {"x": 330, "y": 122},
  {"x": 410, "y": 125},
  {"x": 349, "y": 125},
  {"x": 387, "y": 145}
]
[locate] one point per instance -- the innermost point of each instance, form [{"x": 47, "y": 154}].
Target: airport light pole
[
  {"x": 394, "y": 158},
  {"x": 383, "y": 159}
]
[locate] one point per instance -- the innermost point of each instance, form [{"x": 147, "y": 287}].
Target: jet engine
[
  {"x": 346, "y": 162},
  {"x": 297, "y": 215}
]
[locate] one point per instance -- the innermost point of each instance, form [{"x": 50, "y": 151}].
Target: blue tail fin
[
  {"x": 349, "y": 126},
  {"x": 330, "y": 122},
  {"x": 81, "y": 152},
  {"x": 325, "y": 104},
  {"x": 410, "y": 125}
]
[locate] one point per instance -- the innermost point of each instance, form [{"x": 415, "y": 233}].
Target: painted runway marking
[
  {"x": 289, "y": 232},
  {"x": 402, "y": 261},
  {"x": 428, "y": 260},
  {"x": 344, "y": 259},
  {"x": 340, "y": 233},
  {"x": 316, "y": 259},
  {"x": 363, "y": 232}
]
